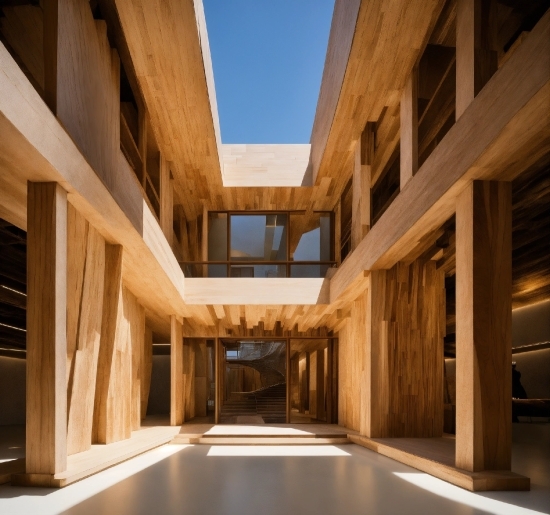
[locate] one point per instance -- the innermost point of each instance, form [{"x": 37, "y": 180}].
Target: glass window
[
  {"x": 310, "y": 237},
  {"x": 258, "y": 270},
  {"x": 259, "y": 237},
  {"x": 309, "y": 270}
]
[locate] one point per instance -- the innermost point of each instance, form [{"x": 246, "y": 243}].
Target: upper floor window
[{"x": 269, "y": 244}]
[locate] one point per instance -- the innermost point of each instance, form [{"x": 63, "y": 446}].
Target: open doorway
[{"x": 253, "y": 381}]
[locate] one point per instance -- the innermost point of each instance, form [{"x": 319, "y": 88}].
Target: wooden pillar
[
  {"x": 288, "y": 381},
  {"x": 320, "y": 384},
  {"x": 361, "y": 194},
  {"x": 483, "y": 326},
  {"x": 46, "y": 439},
  {"x": 85, "y": 285},
  {"x": 204, "y": 241},
  {"x": 476, "y": 61},
  {"x": 176, "y": 372},
  {"x": 146, "y": 369},
  {"x": 409, "y": 129},
  {"x": 338, "y": 232},
  {"x": 217, "y": 406},
  {"x": 166, "y": 201},
  {"x": 113, "y": 393}
]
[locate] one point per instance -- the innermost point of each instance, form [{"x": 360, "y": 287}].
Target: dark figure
[{"x": 518, "y": 392}]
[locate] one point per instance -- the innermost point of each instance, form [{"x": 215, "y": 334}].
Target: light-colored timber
[{"x": 429, "y": 151}]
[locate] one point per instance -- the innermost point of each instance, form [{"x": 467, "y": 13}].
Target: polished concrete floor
[{"x": 288, "y": 480}]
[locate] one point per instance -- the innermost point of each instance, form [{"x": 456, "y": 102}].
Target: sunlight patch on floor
[
  {"x": 276, "y": 450},
  {"x": 255, "y": 430},
  {"x": 48, "y": 501},
  {"x": 459, "y": 495}
]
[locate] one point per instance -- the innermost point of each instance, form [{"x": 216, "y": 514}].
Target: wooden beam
[
  {"x": 476, "y": 61},
  {"x": 484, "y": 327},
  {"x": 502, "y": 136},
  {"x": 176, "y": 372},
  {"x": 46, "y": 434},
  {"x": 409, "y": 129}
]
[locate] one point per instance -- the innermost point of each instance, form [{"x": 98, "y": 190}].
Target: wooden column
[
  {"x": 176, "y": 372},
  {"x": 409, "y": 129},
  {"x": 476, "y": 61},
  {"x": 288, "y": 381},
  {"x": 46, "y": 440},
  {"x": 320, "y": 384},
  {"x": 146, "y": 369},
  {"x": 85, "y": 285},
  {"x": 204, "y": 241},
  {"x": 166, "y": 200},
  {"x": 217, "y": 407},
  {"x": 338, "y": 232},
  {"x": 361, "y": 194},
  {"x": 483, "y": 326},
  {"x": 113, "y": 397}
]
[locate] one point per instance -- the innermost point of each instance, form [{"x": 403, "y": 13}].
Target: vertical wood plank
[
  {"x": 361, "y": 194},
  {"x": 476, "y": 61},
  {"x": 112, "y": 407},
  {"x": 166, "y": 201},
  {"x": 288, "y": 381},
  {"x": 409, "y": 129},
  {"x": 217, "y": 407},
  {"x": 46, "y": 437},
  {"x": 85, "y": 281},
  {"x": 50, "y": 10},
  {"x": 483, "y": 326},
  {"x": 338, "y": 232},
  {"x": 146, "y": 369},
  {"x": 137, "y": 341},
  {"x": 176, "y": 372}
]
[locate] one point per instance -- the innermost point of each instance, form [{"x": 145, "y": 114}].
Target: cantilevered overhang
[
  {"x": 267, "y": 166},
  {"x": 256, "y": 291},
  {"x": 373, "y": 46}
]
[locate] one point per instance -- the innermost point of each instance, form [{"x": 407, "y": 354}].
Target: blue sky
[{"x": 268, "y": 58}]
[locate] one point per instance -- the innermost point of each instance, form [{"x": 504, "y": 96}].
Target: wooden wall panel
[
  {"x": 46, "y": 436},
  {"x": 413, "y": 330},
  {"x": 484, "y": 327},
  {"x": 391, "y": 354},
  {"x": 87, "y": 85},
  {"x": 85, "y": 282}
]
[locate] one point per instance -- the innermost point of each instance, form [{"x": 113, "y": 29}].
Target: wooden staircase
[{"x": 269, "y": 403}]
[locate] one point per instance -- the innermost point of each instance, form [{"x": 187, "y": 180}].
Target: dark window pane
[
  {"x": 312, "y": 270},
  {"x": 258, "y": 270},
  {"x": 259, "y": 237}
]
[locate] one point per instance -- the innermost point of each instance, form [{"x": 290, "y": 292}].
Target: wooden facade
[{"x": 430, "y": 146}]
